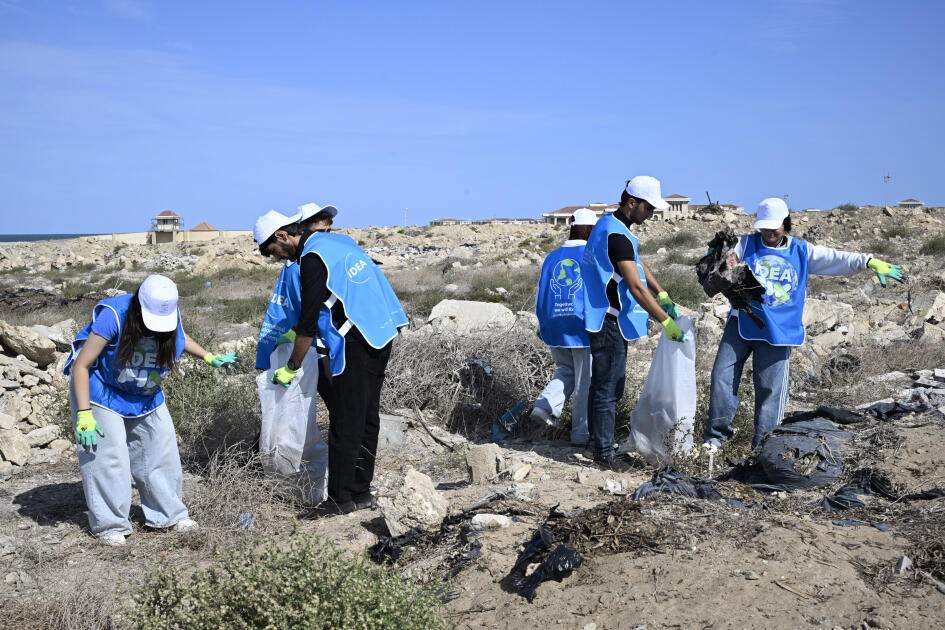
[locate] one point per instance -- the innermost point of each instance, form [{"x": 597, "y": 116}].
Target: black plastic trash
[
  {"x": 883, "y": 527},
  {"x": 558, "y": 565},
  {"x": 839, "y": 416},
  {"x": 671, "y": 482},
  {"x": 892, "y": 410},
  {"x": 795, "y": 456},
  {"x": 719, "y": 272}
]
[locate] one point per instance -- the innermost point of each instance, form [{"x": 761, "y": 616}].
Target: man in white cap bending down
[
  {"x": 559, "y": 305},
  {"x": 781, "y": 264},
  {"x": 617, "y": 306}
]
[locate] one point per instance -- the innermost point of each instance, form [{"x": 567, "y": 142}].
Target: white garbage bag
[
  {"x": 290, "y": 443},
  {"x": 662, "y": 420}
]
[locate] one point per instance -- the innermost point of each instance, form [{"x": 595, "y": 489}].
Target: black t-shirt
[
  {"x": 619, "y": 248},
  {"x": 313, "y": 285}
]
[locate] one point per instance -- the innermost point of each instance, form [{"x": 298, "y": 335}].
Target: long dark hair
[
  {"x": 580, "y": 232},
  {"x": 133, "y": 329}
]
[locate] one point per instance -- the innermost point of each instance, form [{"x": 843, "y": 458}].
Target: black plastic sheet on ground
[
  {"x": 719, "y": 272},
  {"x": 795, "y": 456},
  {"x": 838, "y": 416},
  {"x": 556, "y": 566},
  {"x": 892, "y": 410},
  {"x": 870, "y": 482},
  {"x": 669, "y": 481}
]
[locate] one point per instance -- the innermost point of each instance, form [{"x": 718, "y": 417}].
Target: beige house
[
  {"x": 450, "y": 222},
  {"x": 678, "y": 208},
  {"x": 910, "y": 203}
]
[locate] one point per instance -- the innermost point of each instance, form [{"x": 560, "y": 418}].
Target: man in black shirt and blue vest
[
  {"x": 617, "y": 305},
  {"x": 348, "y": 303}
]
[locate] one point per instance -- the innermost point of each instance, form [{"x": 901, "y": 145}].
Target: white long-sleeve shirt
[{"x": 821, "y": 261}]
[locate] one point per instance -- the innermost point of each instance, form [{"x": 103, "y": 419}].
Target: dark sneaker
[
  {"x": 365, "y": 502},
  {"x": 330, "y": 507},
  {"x": 613, "y": 463}
]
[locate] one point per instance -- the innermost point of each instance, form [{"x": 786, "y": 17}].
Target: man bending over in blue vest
[
  {"x": 617, "y": 306},
  {"x": 347, "y": 302},
  {"x": 781, "y": 264},
  {"x": 559, "y": 305}
]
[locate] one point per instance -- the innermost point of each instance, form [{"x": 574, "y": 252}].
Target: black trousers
[{"x": 353, "y": 401}]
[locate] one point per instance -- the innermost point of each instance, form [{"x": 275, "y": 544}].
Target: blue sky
[{"x": 113, "y": 110}]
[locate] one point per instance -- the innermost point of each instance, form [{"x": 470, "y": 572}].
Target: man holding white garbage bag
[
  {"x": 559, "y": 306},
  {"x": 617, "y": 304},
  {"x": 781, "y": 264},
  {"x": 348, "y": 303}
]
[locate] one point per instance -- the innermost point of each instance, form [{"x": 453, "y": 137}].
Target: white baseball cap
[
  {"x": 584, "y": 216},
  {"x": 771, "y": 214},
  {"x": 309, "y": 210},
  {"x": 267, "y": 224},
  {"x": 158, "y": 298},
  {"x": 648, "y": 189}
]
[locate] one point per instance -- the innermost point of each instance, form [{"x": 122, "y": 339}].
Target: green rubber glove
[
  {"x": 220, "y": 360},
  {"x": 86, "y": 428},
  {"x": 668, "y": 304},
  {"x": 885, "y": 270},
  {"x": 289, "y": 337},
  {"x": 673, "y": 331},
  {"x": 283, "y": 376}
]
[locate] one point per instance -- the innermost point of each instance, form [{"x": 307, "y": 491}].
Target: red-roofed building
[
  {"x": 164, "y": 225},
  {"x": 204, "y": 227},
  {"x": 910, "y": 203}
]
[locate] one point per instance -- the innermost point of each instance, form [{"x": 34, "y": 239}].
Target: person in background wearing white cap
[
  {"x": 117, "y": 364},
  {"x": 617, "y": 306},
  {"x": 781, "y": 264},
  {"x": 348, "y": 303},
  {"x": 283, "y": 311},
  {"x": 559, "y": 305}
]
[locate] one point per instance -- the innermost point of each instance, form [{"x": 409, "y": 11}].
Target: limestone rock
[
  {"x": 392, "y": 433},
  {"x": 489, "y": 521},
  {"x": 483, "y": 461},
  {"x": 14, "y": 447},
  {"x": 16, "y": 406},
  {"x": 6, "y": 421},
  {"x": 519, "y": 470},
  {"x": 416, "y": 504},
  {"x": 469, "y": 315},
  {"x": 61, "y": 445},
  {"x": 43, "y": 456},
  {"x": 821, "y": 316},
  {"x": 61, "y": 333},
  {"x": 22, "y": 340},
  {"x": 523, "y": 491},
  {"x": 42, "y": 436}
]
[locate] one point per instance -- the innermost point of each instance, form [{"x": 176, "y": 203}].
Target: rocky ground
[{"x": 662, "y": 561}]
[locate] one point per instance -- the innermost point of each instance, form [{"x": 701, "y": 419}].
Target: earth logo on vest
[
  {"x": 353, "y": 266},
  {"x": 566, "y": 279},
  {"x": 779, "y": 278}
]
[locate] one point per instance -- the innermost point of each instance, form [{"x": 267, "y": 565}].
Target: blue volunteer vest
[
  {"x": 128, "y": 390},
  {"x": 783, "y": 274},
  {"x": 369, "y": 302},
  {"x": 559, "y": 301},
  {"x": 598, "y": 271}
]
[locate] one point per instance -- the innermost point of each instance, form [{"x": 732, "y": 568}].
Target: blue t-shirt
[{"x": 144, "y": 359}]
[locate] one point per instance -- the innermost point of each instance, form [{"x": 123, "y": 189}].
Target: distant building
[
  {"x": 164, "y": 226},
  {"x": 910, "y": 203},
  {"x": 678, "y": 208},
  {"x": 678, "y": 203},
  {"x": 450, "y": 222},
  {"x": 504, "y": 221},
  {"x": 204, "y": 227}
]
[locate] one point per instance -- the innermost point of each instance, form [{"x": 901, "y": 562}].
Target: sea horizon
[{"x": 13, "y": 238}]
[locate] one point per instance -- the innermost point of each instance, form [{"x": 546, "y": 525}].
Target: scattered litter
[
  {"x": 838, "y": 416},
  {"x": 671, "y": 482},
  {"x": 719, "y": 272},
  {"x": 481, "y": 522},
  {"x": 246, "y": 521},
  {"x": 795, "y": 456},
  {"x": 904, "y": 565},
  {"x": 507, "y": 425},
  {"x": 892, "y": 410},
  {"x": 558, "y": 565}
]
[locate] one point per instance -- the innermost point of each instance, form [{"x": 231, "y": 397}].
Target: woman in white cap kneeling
[
  {"x": 781, "y": 264},
  {"x": 117, "y": 364}
]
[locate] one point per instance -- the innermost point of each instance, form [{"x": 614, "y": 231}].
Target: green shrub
[
  {"x": 304, "y": 584},
  {"x": 848, "y": 207},
  {"x": 682, "y": 287},
  {"x": 900, "y": 231},
  {"x": 934, "y": 246},
  {"x": 879, "y": 246},
  {"x": 251, "y": 310},
  {"x": 679, "y": 258},
  {"x": 679, "y": 240}
]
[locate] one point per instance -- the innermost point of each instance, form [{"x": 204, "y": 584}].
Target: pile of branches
[
  {"x": 465, "y": 381},
  {"x": 618, "y": 526}
]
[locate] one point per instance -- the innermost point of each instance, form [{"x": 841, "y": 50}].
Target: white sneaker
[
  {"x": 112, "y": 540},
  {"x": 541, "y": 416},
  {"x": 185, "y": 525},
  {"x": 710, "y": 448}
]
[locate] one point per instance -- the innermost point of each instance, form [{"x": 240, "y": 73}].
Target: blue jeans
[
  {"x": 608, "y": 375},
  {"x": 771, "y": 377},
  {"x": 572, "y": 375}
]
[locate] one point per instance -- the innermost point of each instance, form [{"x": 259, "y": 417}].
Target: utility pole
[
  {"x": 886, "y": 179},
  {"x": 405, "y": 217},
  {"x": 785, "y": 195}
]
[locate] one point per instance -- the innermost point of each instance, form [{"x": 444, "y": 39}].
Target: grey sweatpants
[{"x": 143, "y": 448}]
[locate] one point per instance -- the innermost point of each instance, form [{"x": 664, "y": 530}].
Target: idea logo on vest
[
  {"x": 354, "y": 264},
  {"x": 779, "y": 278}
]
